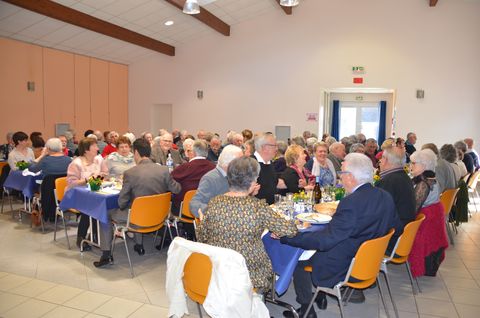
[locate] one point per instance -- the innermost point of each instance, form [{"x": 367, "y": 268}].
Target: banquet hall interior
[{"x": 144, "y": 65}]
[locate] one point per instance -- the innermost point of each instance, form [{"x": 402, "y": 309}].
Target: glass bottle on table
[
  {"x": 317, "y": 191},
  {"x": 169, "y": 162}
]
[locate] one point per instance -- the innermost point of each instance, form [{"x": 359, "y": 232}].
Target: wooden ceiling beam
[
  {"x": 433, "y": 3},
  {"x": 288, "y": 10},
  {"x": 206, "y": 17},
  {"x": 57, "y": 11}
]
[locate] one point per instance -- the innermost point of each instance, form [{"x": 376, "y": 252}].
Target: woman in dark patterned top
[{"x": 236, "y": 220}]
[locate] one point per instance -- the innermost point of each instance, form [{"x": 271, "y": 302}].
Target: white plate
[{"x": 314, "y": 218}]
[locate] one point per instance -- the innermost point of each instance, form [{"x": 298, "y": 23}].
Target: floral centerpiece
[
  {"x": 376, "y": 177},
  {"x": 95, "y": 182},
  {"x": 300, "y": 196},
  {"x": 22, "y": 165}
]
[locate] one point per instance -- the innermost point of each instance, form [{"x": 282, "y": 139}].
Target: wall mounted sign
[
  {"x": 358, "y": 80},
  {"x": 312, "y": 117},
  {"x": 358, "y": 70}
]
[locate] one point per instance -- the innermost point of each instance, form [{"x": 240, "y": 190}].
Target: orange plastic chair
[
  {"x": 148, "y": 214},
  {"x": 447, "y": 198},
  {"x": 196, "y": 278},
  {"x": 400, "y": 253},
  {"x": 185, "y": 214},
  {"x": 59, "y": 191},
  {"x": 365, "y": 267}
]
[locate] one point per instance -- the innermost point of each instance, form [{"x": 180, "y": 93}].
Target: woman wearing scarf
[
  {"x": 321, "y": 166},
  {"x": 294, "y": 176},
  {"x": 121, "y": 160}
]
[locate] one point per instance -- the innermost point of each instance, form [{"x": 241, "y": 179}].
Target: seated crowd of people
[{"x": 236, "y": 181}]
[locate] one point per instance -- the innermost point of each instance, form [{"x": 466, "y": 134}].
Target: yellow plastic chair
[
  {"x": 447, "y": 198},
  {"x": 196, "y": 278},
  {"x": 364, "y": 267},
  {"x": 472, "y": 187},
  {"x": 148, "y": 214},
  {"x": 400, "y": 253},
  {"x": 59, "y": 191},
  {"x": 185, "y": 214}
]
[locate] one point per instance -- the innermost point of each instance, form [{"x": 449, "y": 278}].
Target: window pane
[
  {"x": 348, "y": 119},
  {"x": 370, "y": 118}
]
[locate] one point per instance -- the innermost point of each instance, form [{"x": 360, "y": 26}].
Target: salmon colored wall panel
[
  {"x": 19, "y": 108},
  {"x": 59, "y": 89},
  {"x": 118, "y": 97},
  {"x": 99, "y": 94},
  {"x": 82, "y": 94}
]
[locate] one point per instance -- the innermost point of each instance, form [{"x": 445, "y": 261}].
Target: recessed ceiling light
[{"x": 169, "y": 22}]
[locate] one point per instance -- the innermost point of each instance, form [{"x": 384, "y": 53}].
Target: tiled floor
[{"x": 42, "y": 278}]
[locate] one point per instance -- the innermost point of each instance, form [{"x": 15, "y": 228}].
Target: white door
[{"x": 161, "y": 117}]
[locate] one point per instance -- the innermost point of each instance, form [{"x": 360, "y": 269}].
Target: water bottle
[{"x": 169, "y": 162}]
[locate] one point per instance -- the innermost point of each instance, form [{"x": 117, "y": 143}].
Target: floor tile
[
  {"x": 59, "y": 294},
  {"x": 12, "y": 281},
  {"x": 118, "y": 307},
  {"x": 436, "y": 308},
  {"x": 65, "y": 312},
  {"x": 33, "y": 288},
  {"x": 8, "y": 301},
  {"x": 465, "y": 296},
  {"x": 149, "y": 311},
  {"x": 467, "y": 311},
  {"x": 32, "y": 308},
  {"x": 87, "y": 301}
]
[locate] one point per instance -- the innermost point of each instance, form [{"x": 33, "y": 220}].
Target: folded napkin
[{"x": 27, "y": 172}]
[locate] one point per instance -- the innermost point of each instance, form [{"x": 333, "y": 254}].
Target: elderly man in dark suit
[
  {"x": 366, "y": 213},
  {"x": 146, "y": 178}
]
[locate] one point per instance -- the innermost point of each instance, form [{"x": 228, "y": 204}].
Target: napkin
[{"x": 27, "y": 172}]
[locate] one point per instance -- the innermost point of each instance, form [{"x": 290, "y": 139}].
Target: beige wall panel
[
  {"x": 59, "y": 89},
  {"x": 19, "y": 108},
  {"x": 99, "y": 94},
  {"x": 82, "y": 94},
  {"x": 118, "y": 97}
]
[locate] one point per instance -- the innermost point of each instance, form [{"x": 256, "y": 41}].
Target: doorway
[{"x": 358, "y": 117}]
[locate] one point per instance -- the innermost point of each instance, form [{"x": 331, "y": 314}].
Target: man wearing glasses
[
  {"x": 365, "y": 213},
  {"x": 162, "y": 147},
  {"x": 266, "y": 148}
]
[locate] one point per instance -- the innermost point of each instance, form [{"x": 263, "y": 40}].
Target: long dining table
[{"x": 95, "y": 204}]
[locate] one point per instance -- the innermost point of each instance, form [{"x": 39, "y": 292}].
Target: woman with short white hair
[
  {"x": 52, "y": 160},
  {"x": 423, "y": 164},
  {"x": 428, "y": 249}
]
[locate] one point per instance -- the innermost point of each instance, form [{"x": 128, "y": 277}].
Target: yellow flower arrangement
[
  {"x": 95, "y": 182},
  {"x": 300, "y": 196}
]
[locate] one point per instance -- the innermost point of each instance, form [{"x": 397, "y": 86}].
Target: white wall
[{"x": 271, "y": 70}]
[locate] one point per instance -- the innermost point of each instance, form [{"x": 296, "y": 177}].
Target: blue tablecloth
[
  {"x": 91, "y": 203},
  {"x": 26, "y": 184},
  {"x": 284, "y": 258}
]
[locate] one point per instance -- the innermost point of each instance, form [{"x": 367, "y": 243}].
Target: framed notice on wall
[{"x": 312, "y": 117}]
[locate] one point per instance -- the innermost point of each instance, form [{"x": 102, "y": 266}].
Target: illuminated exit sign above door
[{"x": 358, "y": 70}]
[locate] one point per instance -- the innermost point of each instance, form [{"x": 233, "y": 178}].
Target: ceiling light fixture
[
  {"x": 191, "y": 7},
  {"x": 289, "y": 3},
  {"x": 169, "y": 23}
]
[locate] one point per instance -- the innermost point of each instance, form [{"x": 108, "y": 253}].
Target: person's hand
[
  {"x": 254, "y": 188},
  {"x": 274, "y": 236},
  {"x": 302, "y": 183},
  {"x": 200, "y": 215}
]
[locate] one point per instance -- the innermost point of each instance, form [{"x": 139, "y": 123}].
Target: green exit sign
[{"x": 358, "y": 69}]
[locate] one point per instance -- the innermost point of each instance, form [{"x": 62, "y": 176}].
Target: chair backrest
[
  {"x": 185, "y": 206},
  {"x": 196, "y": 276},
  {"x": 465, "y": 177},
  {"x": 472, "y": 182},
  {"x": 405, "y": 241},
  {"x": 447, "y": 198},
  {"x": 368, "y": 259},
  {"x": 150, "y": 211},
  {"x": 60, "y": 185}
]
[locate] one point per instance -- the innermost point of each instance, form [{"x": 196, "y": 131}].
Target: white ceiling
[{"x": 146, "y": 17}]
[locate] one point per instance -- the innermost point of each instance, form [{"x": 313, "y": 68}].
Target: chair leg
[
  {"x": 449, "y": 232},
  {"x": 407, "y": 264},
  {"x": 199, "y": 310},
  {"x": 65, "y": 228},
  {"x": 128, "y": 254},
  {"x": 382, "y": 297},
  {"x": 340, "y": 300},
  {"x": 387, "y": 281},
  {"x": 55, "y": 227},
  {"x": 310, "y": 305}
]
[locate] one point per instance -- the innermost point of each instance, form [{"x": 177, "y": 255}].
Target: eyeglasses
[
  {"x": 343, "y": 172},
  {"x": 272, "y": 145},
  {"x": 167, "y": 141}
]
